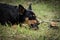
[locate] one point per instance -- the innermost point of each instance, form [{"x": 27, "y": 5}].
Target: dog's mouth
[{"x": 34, "y": 26}]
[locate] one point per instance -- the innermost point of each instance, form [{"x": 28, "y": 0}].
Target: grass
[{"x": 44, "y": 12}]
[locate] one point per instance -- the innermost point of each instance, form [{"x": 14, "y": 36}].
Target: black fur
[{"x": 14, "y": 14}]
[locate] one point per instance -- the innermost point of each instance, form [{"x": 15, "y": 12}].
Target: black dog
[{"x": 17, "y": 15}]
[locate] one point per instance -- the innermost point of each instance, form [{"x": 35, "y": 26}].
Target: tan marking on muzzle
[{"x": 27, "y": 21}]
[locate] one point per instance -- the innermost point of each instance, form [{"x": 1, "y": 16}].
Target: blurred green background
[{"x": 45, "y": 10}]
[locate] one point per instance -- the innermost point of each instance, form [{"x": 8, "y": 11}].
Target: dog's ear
[
  {"x": 21, "y": 9},
  {"x": 30, "y": 7}
]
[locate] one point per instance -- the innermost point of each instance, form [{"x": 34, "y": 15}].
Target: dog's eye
[{"x": 33, "y": 15}]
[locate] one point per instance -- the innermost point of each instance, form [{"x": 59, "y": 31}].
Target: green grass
[{"x": 44, "y": 12}]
